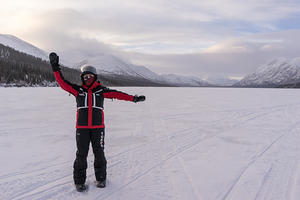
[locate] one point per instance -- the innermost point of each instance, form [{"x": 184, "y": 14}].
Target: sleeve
[
  {"x": 115, "y": 94},
  {"x": 64, "y": 84}
]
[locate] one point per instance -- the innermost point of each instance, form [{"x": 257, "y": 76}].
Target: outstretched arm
[
  {"x": 115, "y": 94},
  {"x": 64, "y": 84}
]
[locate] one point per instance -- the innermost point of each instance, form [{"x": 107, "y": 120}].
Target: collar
[{"x": 95, "y": 84}]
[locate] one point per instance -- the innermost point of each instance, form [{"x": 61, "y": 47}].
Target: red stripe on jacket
[
  {"x": 90, "y": 109},
  {"x": 118, "y": 95},
  {"x": 64, "y": 85}
]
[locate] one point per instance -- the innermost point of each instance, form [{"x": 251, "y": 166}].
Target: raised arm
[
  {"x": 115, "y": 94},
  {"x": 64, "y": 84}
]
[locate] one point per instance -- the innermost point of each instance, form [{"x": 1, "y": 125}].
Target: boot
[
  {"x": 101, "y": 184},
  {"x": 81, "y": 187}
]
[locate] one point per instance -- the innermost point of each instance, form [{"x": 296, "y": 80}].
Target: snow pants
[{"x": 83, "y": 139}]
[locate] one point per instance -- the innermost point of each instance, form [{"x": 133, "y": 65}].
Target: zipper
[{"x": 90, "y": 105}]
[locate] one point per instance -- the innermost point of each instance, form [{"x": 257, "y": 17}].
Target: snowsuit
[{"x": 90, "y": 124}]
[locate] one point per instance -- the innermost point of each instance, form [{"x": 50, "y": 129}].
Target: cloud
[
  {"x": 72, "y": 34},
  {"x": 236, "y": 57},
  {"x": 188, "y": 37},
  {"x": 161, "y": 26}
]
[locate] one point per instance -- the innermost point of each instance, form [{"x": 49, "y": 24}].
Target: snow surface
[{"x": 181, "y": 143}]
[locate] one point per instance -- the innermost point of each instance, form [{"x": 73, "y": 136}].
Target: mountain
[
  {"x": 276, "y": 73},
  {"x": 22, "y": 46},
  {"x": 112, "y": 65},
  {"x": 21, "y": 69},
  {"x": 109, "y": 66}
]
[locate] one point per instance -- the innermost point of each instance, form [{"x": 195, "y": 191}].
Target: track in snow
[
  {"x": 146, "y": 165},
  {"x": 129, "y": 165}
]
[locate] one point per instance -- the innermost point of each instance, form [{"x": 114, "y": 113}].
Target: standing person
[{"x": 90, "y": 120}]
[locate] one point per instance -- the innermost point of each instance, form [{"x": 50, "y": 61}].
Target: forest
[{"x": 20, "y": 69}]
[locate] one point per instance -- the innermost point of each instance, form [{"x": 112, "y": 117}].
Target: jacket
[{"x": 89, "y": 100}]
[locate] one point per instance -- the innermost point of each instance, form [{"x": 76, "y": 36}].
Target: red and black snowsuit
[
  {"x": 90, "y": 124},
  {"x": 89, "y": 100}
]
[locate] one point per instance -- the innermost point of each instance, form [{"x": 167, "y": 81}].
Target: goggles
[{"x": 88, "y": 76}]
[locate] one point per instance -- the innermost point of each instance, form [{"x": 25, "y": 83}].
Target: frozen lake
[{"x": 181, "y": 144}]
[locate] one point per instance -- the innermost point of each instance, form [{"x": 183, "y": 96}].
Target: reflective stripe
[
  {"x": 82, "y": 107},
  {"x": 93, "y": 107},
  {"x": 98, "y": 107},
  {"x": 102, "y": 139},
  {"x": 85, "y": 101},
  {"x": 98, "y": 91}
]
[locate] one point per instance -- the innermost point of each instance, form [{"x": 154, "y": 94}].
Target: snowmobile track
[
  {"x": 186, "y": 138},
  {"x": 260, "y": 154}
]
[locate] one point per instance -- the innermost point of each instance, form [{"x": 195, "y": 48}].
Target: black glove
[
  {"x": 139, "y": 98},
  {"x": 54, "y": 60}
]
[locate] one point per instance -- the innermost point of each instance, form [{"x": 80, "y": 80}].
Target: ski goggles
[{"x": 88, "y": 76}]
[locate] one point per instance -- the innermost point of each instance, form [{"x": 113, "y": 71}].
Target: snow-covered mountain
[
  {"x": 106, "y": 64},
  {"x": 20, "y": 45},
  {"x": 278, "y": 72},
  {"x": 110, "y": 64}
]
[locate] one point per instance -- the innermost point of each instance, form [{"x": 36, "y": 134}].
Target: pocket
[
  {"x": 81, "y": 100},
  {"x": 97, "y": 117},
  {"x": 99, "y": 100},
  {"x": 82, "y": 117}
]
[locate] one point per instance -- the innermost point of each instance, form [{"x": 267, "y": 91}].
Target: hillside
[
  {"x": 111, "y": 68},
  {"x": 21, "y": 69},
  {"x": 280, "y": 72}
]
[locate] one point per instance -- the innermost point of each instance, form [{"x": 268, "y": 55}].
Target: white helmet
[{"x": 87, "y": 69}]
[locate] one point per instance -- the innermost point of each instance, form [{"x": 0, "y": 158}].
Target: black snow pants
[{"x": 83, "y": 139}]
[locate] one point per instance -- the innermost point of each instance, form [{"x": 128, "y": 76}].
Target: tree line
[{"x": 20, "y": 69}]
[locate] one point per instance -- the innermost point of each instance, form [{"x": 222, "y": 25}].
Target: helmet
[{"x": 87, "y": 69}]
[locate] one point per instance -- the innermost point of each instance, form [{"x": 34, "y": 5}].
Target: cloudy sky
[{"x": 191, "y": 37}]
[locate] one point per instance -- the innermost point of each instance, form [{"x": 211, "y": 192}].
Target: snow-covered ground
[{"x": 181, "y": 143}]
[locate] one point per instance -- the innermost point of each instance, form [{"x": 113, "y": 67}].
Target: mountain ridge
[
  {"x": 109, "y": 65},
  {"x": 21, "y": 45},
  {"x": 277, "y": 72}
]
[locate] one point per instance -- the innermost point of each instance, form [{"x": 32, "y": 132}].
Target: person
[{"x": 90, "y": 120}]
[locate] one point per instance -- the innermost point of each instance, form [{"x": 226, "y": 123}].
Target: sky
[{"x": 215, "y": 38}]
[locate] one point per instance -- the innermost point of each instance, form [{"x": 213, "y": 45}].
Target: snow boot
[
  {"x": 101, "y": 184},
  {"x": 81, "y": 187}
]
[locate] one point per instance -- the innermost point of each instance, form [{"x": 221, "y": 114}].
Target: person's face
[{"x": 88, "y": 79}]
